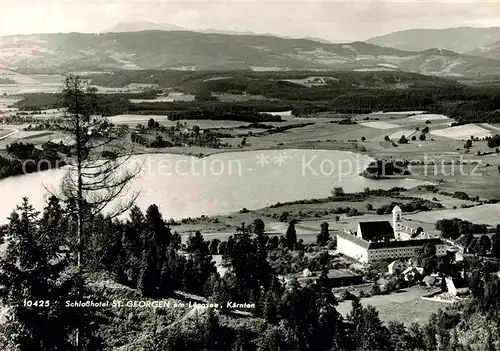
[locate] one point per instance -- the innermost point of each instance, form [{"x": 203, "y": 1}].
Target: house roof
[
  {"x": 376, "y": 231},
  {"x": 353, "y": 238},
  {"x": 405, "y": 243},
  {"x": 417, "y": 243}
]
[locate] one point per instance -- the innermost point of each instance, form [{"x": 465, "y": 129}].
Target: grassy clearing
[
  {"x": 399, "y": 113},
  {"x": 4, "y": 132},
  {"x": 405, "y": 307},
  {"x": 428, "y": 117},
  {"x": 446, "y": 201},
  {"x": 282, "y": 113},
  {"x": 462, "y": 132},
  {"x": 380, "y": 125},
  {"x": 484, "y": 214},
  {"x": 493, "y": 127},
  {"x": 133, "y": 120}
]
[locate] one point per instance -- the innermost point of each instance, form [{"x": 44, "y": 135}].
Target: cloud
[{"x": 334, "y": 20}]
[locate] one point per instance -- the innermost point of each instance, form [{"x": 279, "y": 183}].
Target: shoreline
[
  {"x": 212, "y": 151},
  {"x": 236, "y": 210}
]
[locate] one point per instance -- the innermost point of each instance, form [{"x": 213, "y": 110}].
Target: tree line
[{"x": 24, "y": 158}]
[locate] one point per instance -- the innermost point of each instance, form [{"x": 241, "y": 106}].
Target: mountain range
[
  {"x": 139, "y": 26},
  {"x": 461, "y": 39},
  {"x": 125, "y": 46}
]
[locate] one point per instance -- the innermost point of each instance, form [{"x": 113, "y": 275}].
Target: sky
[{"x": 330, "y": 19}]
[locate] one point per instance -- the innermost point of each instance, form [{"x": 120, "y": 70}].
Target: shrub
[
  {"x": 284, "y": 216},
  {"x": 494, "y": 141}
]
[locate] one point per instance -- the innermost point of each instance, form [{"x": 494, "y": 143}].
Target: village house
[{"x": 378, "y": 240}]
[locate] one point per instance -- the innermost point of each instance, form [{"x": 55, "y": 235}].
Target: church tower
[{"x": 396, "y": 221}]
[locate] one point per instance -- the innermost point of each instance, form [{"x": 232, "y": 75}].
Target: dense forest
[
  {"x": 340, "y": 92},
  {"x": 240, "y": 80}
]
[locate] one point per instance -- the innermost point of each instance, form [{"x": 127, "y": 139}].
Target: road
[{"x": 9, "y": 134}]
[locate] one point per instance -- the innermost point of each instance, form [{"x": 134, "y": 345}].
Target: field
[
  {"x": 133, "y": 120},
  {"x": 428, "y": 117},
  {"x": 325, "y": 133},
  {"x": 484, "y": 214},
  {"x": 5, "y": 132},
  {"x": 447, "y": 201},
  {"x": 462, "y": 132},
  {"x": 310, "y": 81},
  {"x": 443, "y": 144},
  {"x": 400, "y": 133},
  {"x": 317, "y": 213},
  {"x": 405, "y": 307},
  {"x": 380, "y": 125},
  {"x": 399, "y": 113},
  {"x": 492, "y": 127},
  {"x": 49, "y": 83},
  {"x": 283, "y": 114}
]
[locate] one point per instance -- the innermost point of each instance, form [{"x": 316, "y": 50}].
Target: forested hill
[
  {"x": 197, "y": 51},
  {"x": 299, "y": 91},
  {"x": 460, "y": 39},
  {"x": 258, "y": 82}
]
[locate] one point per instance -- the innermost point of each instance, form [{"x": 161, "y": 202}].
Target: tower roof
[{"x": 397, "y": 209}]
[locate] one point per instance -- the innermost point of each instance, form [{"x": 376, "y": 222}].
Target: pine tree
[
  {"x": 160, "y": 234},
  {"x": 30, "y": 274},
  {"x": 224, "y": 291},
  {"x": 200, "y": 263},
  {"x": 92, "y": 183},
  {"x": 258, "y": 226},
  {"x": 273, "y": 339},
  {"x": 416, "y": 336},
  {"x": 324, "y": 234},
  {"x": 148, "y": 278},
  {"x": 291, "y": 236}
]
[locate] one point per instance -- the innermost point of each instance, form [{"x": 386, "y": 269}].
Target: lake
[{"x": 184, "y": 186}]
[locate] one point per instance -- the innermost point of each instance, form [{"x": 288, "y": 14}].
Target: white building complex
[{"x": 378, "y": 240}]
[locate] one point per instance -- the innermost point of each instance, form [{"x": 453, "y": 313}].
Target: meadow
[
  {"x": 4, "y": 132},
  {"x": 484, "y": 214},
  {"x": 406, "y": 306},
  {"x": 463, "y": 132}
]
